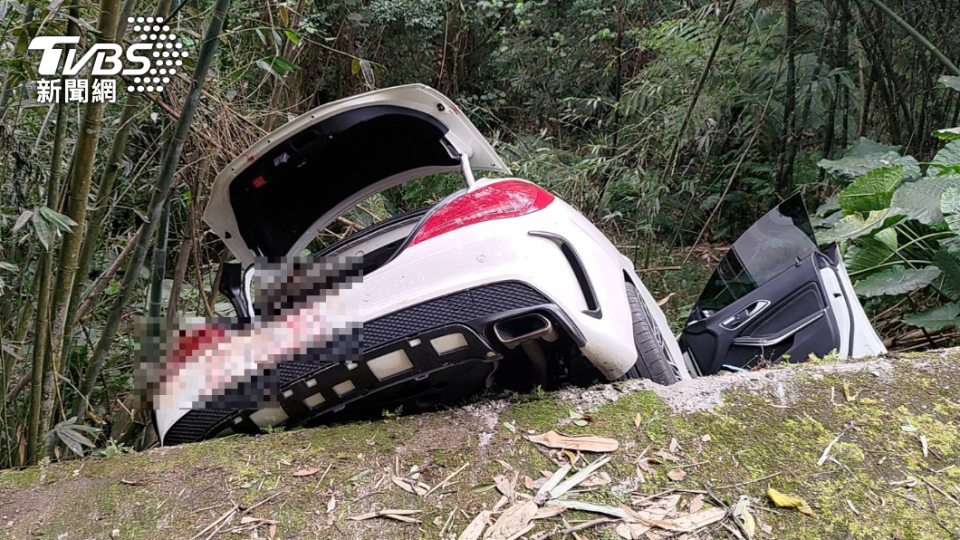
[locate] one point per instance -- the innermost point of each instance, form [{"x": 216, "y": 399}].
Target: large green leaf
[
  {"x": 950, "y": 207},
  {"x": 949, "y": 265},
  {"x": 896, "y": 280},
  {"x": 866, "y": 254},
  {"x": 951, "y": 134},
  {"x": 950, "y": 82},
  {"x": 868, "y": 147},
  {"x": 946, "y": 160},
  {"x": 855, "y": 166},
  {"x": 855, "y": 226},
  {"x": 937, "y": 318},
  {"x": 920, "y": 200},
  {"x": 872, "y": 191}
]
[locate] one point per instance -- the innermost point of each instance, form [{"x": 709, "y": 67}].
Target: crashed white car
[{"x": 500, "y": 281}]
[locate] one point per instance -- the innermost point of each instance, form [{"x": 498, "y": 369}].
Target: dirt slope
[{"x": 735, "y": 435}]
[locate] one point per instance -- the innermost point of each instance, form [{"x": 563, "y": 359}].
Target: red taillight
[{"x": 510, "y": 198}]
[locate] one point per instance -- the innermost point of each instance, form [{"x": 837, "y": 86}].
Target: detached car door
[{"x": 777, "y": 296}]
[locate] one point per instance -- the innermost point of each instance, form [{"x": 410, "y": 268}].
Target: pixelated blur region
[{"x": 206, "y": 377}]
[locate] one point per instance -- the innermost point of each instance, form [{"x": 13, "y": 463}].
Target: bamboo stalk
[{"x": 168, "y": 167}]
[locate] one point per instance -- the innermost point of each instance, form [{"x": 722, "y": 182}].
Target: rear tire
[{"x": 652, "y": 361}]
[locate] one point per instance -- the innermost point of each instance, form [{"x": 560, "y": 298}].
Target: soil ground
[{"x": 894, "y": 472}]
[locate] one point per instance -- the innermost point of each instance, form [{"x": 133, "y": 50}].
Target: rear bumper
[{"x": 309, "y": 384}]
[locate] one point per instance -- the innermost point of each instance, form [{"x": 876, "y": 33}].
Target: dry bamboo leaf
[
  {"x": 504, "y": 486},
  {"x": 749, "y": 524},
  {"x": 549, "y": 512},
  {"x": 591, "y": 507},
  {"x": 528, "y": 482},
  {"x": 475, "y": 528},
  {"x": 786, "y": 501},
  {"x": 331, "y": 504},
  {"x": 692, "y": 522},
  {"x": 676, "y": 474},
  {"x": 306, "y": 472},
  {"x": 674, "y": 445},
  {"x": 513, "y": 522},
  {"x": 585, "y": 443},
  {"x": 656, "y": 511},
  {"x": 403, "y": 484},
  {"x": 668, "y": 456},
  {"x": 599, "y": 479},
  {"x": 696, "y": 504},
  {"x": 637, "y": 420},
  {"x": 706, "y": 438}
]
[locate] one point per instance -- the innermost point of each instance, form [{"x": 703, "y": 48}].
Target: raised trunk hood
[{"x": 272, "y": 199}]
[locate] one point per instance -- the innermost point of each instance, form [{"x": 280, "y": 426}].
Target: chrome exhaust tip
[{"x": 519, "y": 330}]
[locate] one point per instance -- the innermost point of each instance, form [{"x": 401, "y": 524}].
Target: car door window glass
[{"x": 770, "y": 246}]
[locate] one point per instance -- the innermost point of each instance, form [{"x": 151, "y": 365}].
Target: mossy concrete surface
[{"x": 894, "y": 473}]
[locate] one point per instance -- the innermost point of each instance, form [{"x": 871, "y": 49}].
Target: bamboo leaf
[
  {"x": 266, "y": 67},
  {"x": 872, "y": 191},
  {"x": 61, "y": 221},
  {"x": 896, "y": 280},
  {"x": 43, "y": 230},
  {"x": 22, "y": 220}
]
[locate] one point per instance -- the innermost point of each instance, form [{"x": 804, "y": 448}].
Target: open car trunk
[{"x": 272, "y": 200}]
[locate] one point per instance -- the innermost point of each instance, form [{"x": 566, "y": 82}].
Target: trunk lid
[{"x": 273, "y": 198}]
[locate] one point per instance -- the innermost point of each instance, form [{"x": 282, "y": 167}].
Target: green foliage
[
  {"x": 71, "y": 434},
  {"x": 920, "y": 200},
  {"x": 896, "y": 280},
  {"x": 936, "y": 318},
  {"x": 899, "y": 237},
  {"x": 950, "y": 208},
  {"x": 872, "y": 191}
]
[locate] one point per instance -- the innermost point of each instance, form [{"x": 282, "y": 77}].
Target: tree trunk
[
  {"x": 168, "y": 167},
  {"x": 785, "y": 179}
]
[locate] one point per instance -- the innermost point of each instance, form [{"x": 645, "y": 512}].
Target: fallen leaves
[
  {"x": 786, "y": 501},
  {"x": 475, "y": 528},
  {"x": 676, "y": 474},
  {"x": 399, "y": 515},
  {"x": 306, "y": 472},
  {"x": 583, "y": 443},
  {"x": 514, "y": 522}
]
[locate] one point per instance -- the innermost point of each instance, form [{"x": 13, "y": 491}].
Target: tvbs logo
[{"x": 146, "y": 65}]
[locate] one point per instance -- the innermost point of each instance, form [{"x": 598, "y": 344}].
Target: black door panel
[{"x": 796, "y": 320}]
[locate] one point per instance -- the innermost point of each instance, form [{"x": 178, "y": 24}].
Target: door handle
[
  {"x": 776, "y": 340},
  {"x": 744, "y": 315}
]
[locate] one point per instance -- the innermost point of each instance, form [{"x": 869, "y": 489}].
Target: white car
[{"x": 499, "y": 281}]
